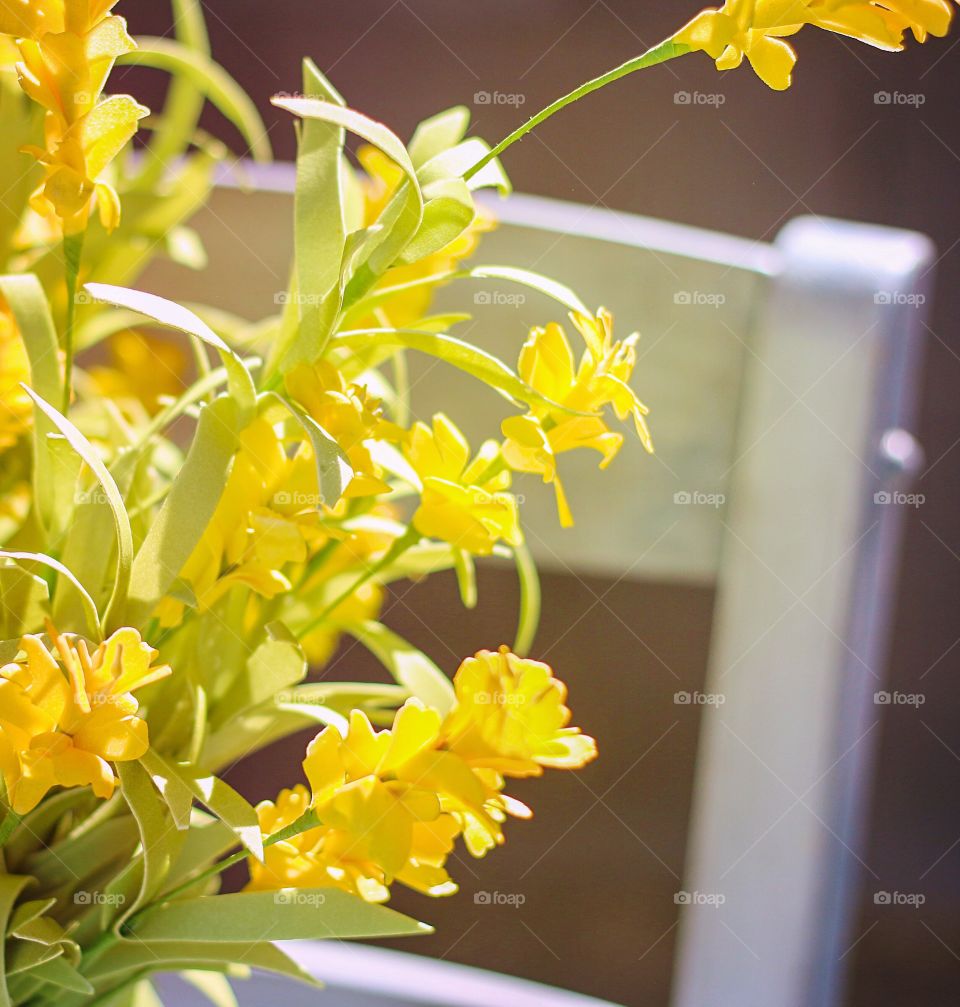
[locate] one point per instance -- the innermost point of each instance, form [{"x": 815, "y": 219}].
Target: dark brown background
[{"x": 600, "y": 862}]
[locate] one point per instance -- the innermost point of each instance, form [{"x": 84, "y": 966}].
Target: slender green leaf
[
  {"x": 529, "y": 619},
  {"x": 60, "y": 973},
  {"x": 210, "y": 78},
  {"x": 410, "y": 667},
  {"x": 334, "y": 470},
  {"x": 10, "y": 887},
  {"x": 446, "y": 215},
  {"x": 274, "y": 666},
  {"x": 319, "y": 225},
  {"x": 124, "y": 535},
  {"x": 301, "y": 914},
  {"x": 438, "y": 133},
  {"x": 92, "y": 616},
  {"x": 159, "y": 838},
  {"x": 187, "y": 509},
  {"x": 466, "y": 576},
  {"x": 127, "y": 958},
  {"x": 174, "y": 316},
  {"x": 53, "y": 478},
  {"x": 224, "y": 802},
  {"x": 462, "y": 355},
  {"x": 175, "y": 793}
]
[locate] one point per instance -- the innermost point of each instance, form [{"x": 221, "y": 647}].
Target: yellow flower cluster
[
  {"x": 393, "y": 802},
  {"x": 270, "y": 517},
  {"x": 66, "y": 714},
  {"x": 16, "y": 409},
  {"x": 462, "y": 501},
  {"x": 756, "y": 29},
  {"x": 548, "y": 365},
  {"x": 67, "y": 50}
]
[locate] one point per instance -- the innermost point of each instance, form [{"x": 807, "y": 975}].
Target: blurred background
[{"x": 601, "y": 861}]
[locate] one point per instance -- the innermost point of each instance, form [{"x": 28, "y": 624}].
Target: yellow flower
[
  {"x": 461, "y": 501},
  {"x": 547, "y": 364},
  {"x": 264, "y": 522},
  {"x": 67, "y": 51},
  {"x": 756, "y": 29},
  {"x": 16, "y": 410},
  {"x": 407, "y": 307},
  {"x": 510, "y": 717},
  {"x": 348, "y": 414},
  {"x": 378, "y": 826},
  {"x": 391, "y": 803},
  {"x": 67, "y": 713}
]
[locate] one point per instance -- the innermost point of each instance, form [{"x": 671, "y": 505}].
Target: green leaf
[
  {"x": 60, "y": 973},
  {"x": 334, "y": 470},
  {"x": 455, "y": 163},
  {"x": 175, "y": 793},
  {"x": 171, "y": 314},
  {"x": 438, "y": 133},
  {"x": 10, "y": 888},
  {"x": 187, "y": 509},
  {"x": 92, "y": 616},
  {"x": 466, "y": 576},
  {"x": 130, "y": 957},
  {"x": 275, "y": 665},
  {"x": 224, "y": 802},
  {"x": 209, "y": 77},
  {"x": 159, "y": 838},
  {"x": 53, "y": 480},
  {"x": 207, "y": 840},
  {"x": 319, "y": 226},
  {"x": 184, "y": 101},
  {"x": 409, "y": 666},
  {"x": 301, "y": 914},
  {"x": 370, "y": 253},
  {"x": 124, "y": 535},
  {"x": 446, "y": 215},
  {"x": 462, "y": 355},
  {"x": 557, "y": 291},
  {"x": 529, "y": 620}
]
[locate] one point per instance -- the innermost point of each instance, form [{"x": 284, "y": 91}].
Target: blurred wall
[{"x": 599, "y": 863}]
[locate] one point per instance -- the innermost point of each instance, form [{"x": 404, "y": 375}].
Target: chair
[{"x": 784, "y": 379}]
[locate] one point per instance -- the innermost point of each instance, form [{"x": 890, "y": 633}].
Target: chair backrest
[{"x": 781, "y": 380}]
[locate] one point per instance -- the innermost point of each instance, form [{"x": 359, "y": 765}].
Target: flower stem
[
  {"x": 72, "y": 252},
  {"x": 658, "y": 54},
  {"x": 308, "y": 820},
  {"x": 399, "y": 547}
]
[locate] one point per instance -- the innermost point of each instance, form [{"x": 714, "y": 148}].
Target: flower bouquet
[{"x": 194, "y": 508}]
